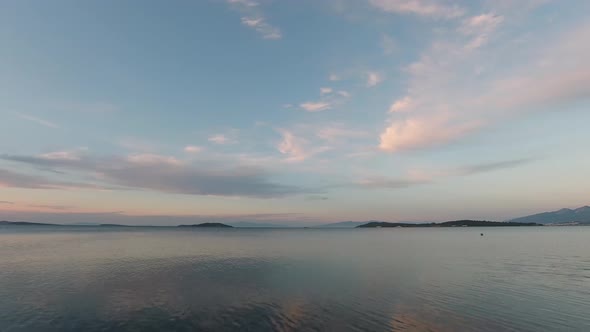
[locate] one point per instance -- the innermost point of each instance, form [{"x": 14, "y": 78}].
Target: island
[
  {"x": 24, "y": 223},
  {"x": 208, "y": 225},
  {"x": 455, "y": 223}
]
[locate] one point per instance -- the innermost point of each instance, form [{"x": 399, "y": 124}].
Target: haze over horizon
[{"x": 292, "y": 112}]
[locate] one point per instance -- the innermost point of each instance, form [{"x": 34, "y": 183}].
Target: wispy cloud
[
  {"x": 479, "y": 28},
  {"x": 11, "y": 179},
  {"x": 192, "y": 149},
  {"x": 315, "y": 106},
  {"x": 421, "y": 177},
  {"x": 37, "y": 120},
  {"x": 297, "y": 148},
  {"x": 254, "y": 18},
  {"x": 448, "y": 101},
  {"x": 373, "y": 79},
  {"x": 221, "y": 139},
  {"x": 155, "y": 173},
  {"x": 326, "y": 90},
  {"x": 6, "y": 202},
  {"x": 402, "y": 105},
  {"x": 416, "y": 133},
  {"x": 426, "y": 8},
  {"x": 50, "y": 207}
]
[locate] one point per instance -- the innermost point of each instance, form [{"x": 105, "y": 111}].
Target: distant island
[
  {"x": 24, "y": 223},
  {"x": 208, "y": 224},
  {"x": 456, "y": 223}
]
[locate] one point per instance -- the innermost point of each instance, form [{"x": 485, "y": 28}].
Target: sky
[{"x": 292, "y": 112}]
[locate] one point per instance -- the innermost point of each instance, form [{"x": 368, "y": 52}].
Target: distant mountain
[
  {"x": 208, "y": 224},
  {"x": 580, "y": 215},
  {"x": 246, "y": 224},
  {"x": 455, "y": 223},
  {"x": 344, "y": 224}
]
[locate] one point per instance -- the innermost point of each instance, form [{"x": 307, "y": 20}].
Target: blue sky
[{"x": 292, "y": 111}]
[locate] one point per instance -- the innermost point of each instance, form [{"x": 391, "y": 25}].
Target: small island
[
  {"x": 208, "y": 225},
  {"x": 456, "y": 223}
]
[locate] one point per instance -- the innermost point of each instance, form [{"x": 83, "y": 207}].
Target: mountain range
[{"x": 563, "y": 216}]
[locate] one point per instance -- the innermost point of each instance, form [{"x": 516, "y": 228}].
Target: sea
[{"x": 399, "y": 279}]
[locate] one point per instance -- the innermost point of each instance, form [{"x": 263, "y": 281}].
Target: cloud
[
  {"x": 318, "y": 106},
  {"x": 6, "y": 202},
  {"x": 50, "y": 207},
  {"x": 334, "y": 77},
  {"x": 421, "y": 177},
  {"x": 373, "y": 79},
  {"x": 155, "y": 173},
  {"x": 316, "y": 198},
  {"x": 426, "y": 8},
  {"x": 221, "y": 139},
  {"x": 261, "y": 26},
  {"x": 325, "y": 91},
  {"x": 152, "y": 159},
  {"x": 10, "y": 179},
  {"x": 422, "y": 132},
  {"x": 479, "y": 28},
  {"x": 449, "y": 100},
  {"x": 297, "y": 149},
  {"x": 192, "y": 149},
  {"x": 343, "y": 93},
  {"x": 254, "y": 18},
  {"x": 402, "y": 105},
  {"x": 37, "y": 120},
  {"x": 380, "y": 182},
  {"x": 492, "y": 166}
]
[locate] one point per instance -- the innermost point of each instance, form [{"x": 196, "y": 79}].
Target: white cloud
[
  {"x": 220, "y": 139},
  {"x": 37, "y": 120},
  {"x": 192, "y": 149},
  {"x": 254, "y": 18},
  {"x": 373, "y": 78},
  {"x": 421, "y": 132},
  {"x": 259, "y": 24},
  {"x": 325, "y": 91},
  {"x": 344, "y": 94},
  {"x": 334, "y": 77},
  {"x": 297, "y": 149},
  {"x": 448, "y": 102},
  {"x": 402, "y": 105},
  {"x": 311, "y": 106},
  {"x": 153, "y": 159},
  {"x": 427, "y": 8},
  {"x": 61, "y": 155},
  {"x": 480, "y": 28}
]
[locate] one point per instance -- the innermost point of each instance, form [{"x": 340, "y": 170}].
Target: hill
[
  {"x": 343, "y": 224},
  {"x": 455, "y": 223},
  {"x": 24, "y": 223},
  {"x": 208, "y": 225},
  {"x": 563, "y": 216}
]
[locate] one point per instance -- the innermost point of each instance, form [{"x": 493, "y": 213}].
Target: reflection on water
[{"x": 90, "y": 279}]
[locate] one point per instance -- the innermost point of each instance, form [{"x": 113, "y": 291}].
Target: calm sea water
[{"x": 91, "y": 279}]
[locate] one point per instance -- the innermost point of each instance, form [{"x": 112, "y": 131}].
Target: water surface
[{"x": 143, "y": 279}]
